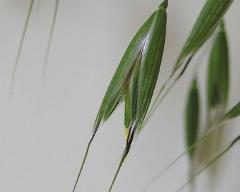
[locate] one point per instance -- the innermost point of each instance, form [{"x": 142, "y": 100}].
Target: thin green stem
[
  {"x": 21, "y": 46},
  {"x": 209, "y": 163},
  {"x": 51, "y": 37},
  {"x": 168, "y": 85},
  {"x": 124, "y": 155},
  {"x": 191, "y": 174},
  {"x": 83, "y": 161},
  {"x": 193, "y": 146}
]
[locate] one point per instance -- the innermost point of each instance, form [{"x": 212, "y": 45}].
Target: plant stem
[
  {"x": 21, "y": 46},
  {"x": 84, "y": 160},
  {"x": 193, "y": 146},
  {"x": 124, "y": 155},
  {"x": 191, "y": 174},
  {"x": 164, "y": 90},
  {"x": 209, "y": 163},
  {"x": 50, "y": 37}
]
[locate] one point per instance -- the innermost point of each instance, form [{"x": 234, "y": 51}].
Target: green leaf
[
  {"x": 192, "y": 117},
  {"x": 206, "y": 23},
  {"x": 218, "y": 71}
]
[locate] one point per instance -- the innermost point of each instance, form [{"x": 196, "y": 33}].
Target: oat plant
[{"x": 134, "y": 83}]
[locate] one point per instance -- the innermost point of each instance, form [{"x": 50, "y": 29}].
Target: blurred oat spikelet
[
  {"x": 192, "y": 125},
  {"x": 192, "y": 117},
  {"x": 217, "y": 92},
  {"x": 206, "y": 23}
]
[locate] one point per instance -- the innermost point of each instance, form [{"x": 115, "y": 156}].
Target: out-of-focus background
[{"x": 46, "y": 123}]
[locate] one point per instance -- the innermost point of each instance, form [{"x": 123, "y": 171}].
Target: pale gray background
[{"x": 46, "y": 123}]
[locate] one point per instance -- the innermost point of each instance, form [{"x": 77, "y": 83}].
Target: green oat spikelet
[
  {"x": 134, "y": 81},
  {"x": 217, "y": 90},
  {"x": 147, "y": 77}
]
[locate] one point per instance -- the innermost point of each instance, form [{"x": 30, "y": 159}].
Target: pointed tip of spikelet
[{"x": 164, "y": 4}]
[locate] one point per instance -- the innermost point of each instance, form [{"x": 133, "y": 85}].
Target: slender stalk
[
  {"x": 124, "y": 156},
  {"x": 200, "y": 140},
  {"x": 84, "y": 160},
  {"x": 191, "y": 174},
  {"x": 164, "y": 90},
  {"x": 209, "y": 163},
  {"x": 21, "y": 46},
  {"x": 51, "y": 36}
]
